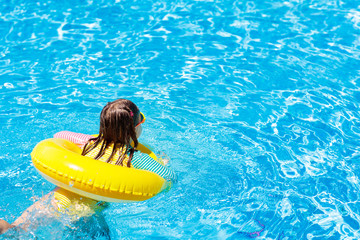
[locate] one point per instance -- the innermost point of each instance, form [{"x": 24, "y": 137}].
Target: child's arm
[
  {"x": 78, "y": 138},
  {"x": 143, "y": 161}
]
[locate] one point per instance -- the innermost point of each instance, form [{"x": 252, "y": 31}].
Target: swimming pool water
[{"x": 255, "y": 102}]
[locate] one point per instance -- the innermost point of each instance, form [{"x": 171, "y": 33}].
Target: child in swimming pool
[{"x": 120, "y": 124}]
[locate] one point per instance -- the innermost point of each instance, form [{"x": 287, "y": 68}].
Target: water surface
[{"x": 255, "y": 102}]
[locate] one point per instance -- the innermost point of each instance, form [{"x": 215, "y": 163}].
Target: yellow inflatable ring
[{"x": 60, "y": 162}]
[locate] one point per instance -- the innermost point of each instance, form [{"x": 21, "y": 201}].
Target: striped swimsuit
[{"x": 140, "y": 160}]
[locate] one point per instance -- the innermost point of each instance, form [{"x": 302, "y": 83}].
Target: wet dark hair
[{"x": 117, "y": 126}]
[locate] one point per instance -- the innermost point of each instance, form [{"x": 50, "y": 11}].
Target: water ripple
[{"x": 256, "y": 103}]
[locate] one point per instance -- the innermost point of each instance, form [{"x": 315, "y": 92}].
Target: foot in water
[{"x": 4, "y": 226}]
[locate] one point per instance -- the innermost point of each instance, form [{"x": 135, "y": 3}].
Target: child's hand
[{"x": 164, "y": 159}]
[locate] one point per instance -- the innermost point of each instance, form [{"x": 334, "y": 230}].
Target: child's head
[
  {"x": 119, "y": 120},
  {"x": 120, "y": 124}
]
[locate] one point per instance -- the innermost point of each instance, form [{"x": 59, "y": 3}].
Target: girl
[{"x": 120, "y": 125}]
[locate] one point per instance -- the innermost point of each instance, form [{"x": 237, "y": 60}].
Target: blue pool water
[{"x": 255, "y": 102}]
